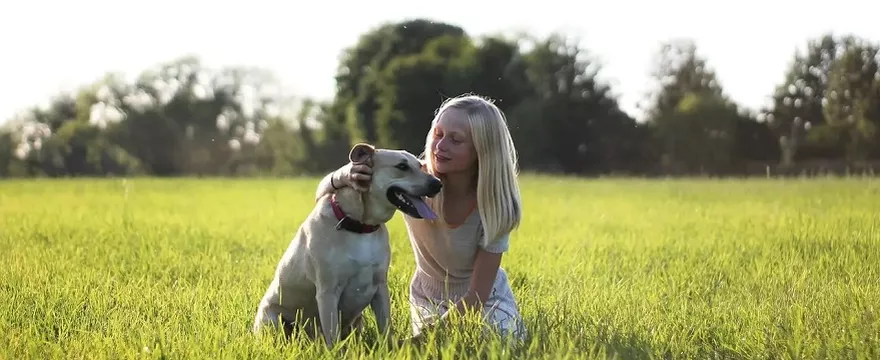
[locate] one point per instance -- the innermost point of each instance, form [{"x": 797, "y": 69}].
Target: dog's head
[{"x": 398, "y": 178}]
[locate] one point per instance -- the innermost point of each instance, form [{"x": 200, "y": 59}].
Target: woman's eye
[{"x": 403, "y": 167}]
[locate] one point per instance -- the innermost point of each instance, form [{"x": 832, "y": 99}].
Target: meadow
[{"x": 602, "y": 268}]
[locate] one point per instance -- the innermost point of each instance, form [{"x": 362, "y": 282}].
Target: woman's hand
[
  {"x": 355, "y": 175},
  {"x": 422, "y": 337}
]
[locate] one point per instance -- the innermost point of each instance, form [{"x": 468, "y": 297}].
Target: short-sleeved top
[{"x": 450, "y": 257}]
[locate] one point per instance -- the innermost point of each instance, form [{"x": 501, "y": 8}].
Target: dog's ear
[{"x": 361, "y": 153}]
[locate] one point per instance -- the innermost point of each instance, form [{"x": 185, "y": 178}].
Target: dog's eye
[{"x": 402, "y": 167}]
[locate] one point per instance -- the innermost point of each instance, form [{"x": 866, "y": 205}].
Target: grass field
[{"x": 700, "y": 269}]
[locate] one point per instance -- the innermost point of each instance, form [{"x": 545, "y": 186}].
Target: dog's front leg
[
  {"x": 328, "y": 311},
  {"x": 381, "y": 305}
]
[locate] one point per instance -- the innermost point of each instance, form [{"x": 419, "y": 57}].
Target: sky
[{"x": 50, "y": 46}]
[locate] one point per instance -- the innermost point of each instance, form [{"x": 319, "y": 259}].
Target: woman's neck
[{"x": 459, "y": 185}]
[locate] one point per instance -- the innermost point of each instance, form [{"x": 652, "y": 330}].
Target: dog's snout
[{"x": 434, "y": 185}]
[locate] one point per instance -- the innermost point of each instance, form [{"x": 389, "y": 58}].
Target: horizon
[{"x": 48, "y": 64}]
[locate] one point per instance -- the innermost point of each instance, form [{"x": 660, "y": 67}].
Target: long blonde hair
[{"x": 498, "y": 197}]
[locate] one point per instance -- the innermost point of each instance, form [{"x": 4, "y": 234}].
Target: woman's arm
[
  {"x": 329, "y": 184},
  {"x": 354, "y": 175},
  {"x": 486, "y": 265}
]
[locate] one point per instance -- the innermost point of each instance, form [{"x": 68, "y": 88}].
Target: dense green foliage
[{"x": 183, "y": 118}]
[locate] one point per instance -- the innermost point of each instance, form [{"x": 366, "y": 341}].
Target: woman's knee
[{"x": 506, "y": 321}]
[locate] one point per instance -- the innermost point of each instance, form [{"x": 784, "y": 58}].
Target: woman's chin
[{"x": 441, "y": 170}]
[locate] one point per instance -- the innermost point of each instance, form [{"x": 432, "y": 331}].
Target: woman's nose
[{"x": 440, "y": 145}]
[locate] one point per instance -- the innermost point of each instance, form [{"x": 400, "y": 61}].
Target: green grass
[{"x": 700, "y": 269}]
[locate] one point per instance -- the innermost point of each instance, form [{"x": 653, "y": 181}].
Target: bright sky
[{"x": 49, "y": 45}]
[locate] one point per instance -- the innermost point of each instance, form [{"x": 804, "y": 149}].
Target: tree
[
  {"x": 755, "y": 140},
  {"x": 175, "y": 119},
  {"x": 501, "y": 71},
  {"x": 290, "y": 148},
  {"x": 413, "y": 86},
  {"x": 184, "y": 118},
  {"x": 7, "y": 152},
  {"x": 678, "y": 71},
  {"x": 852, "y": 101},
  {"x": 701, "y": 133},
  {"x": 692, "y": 119},
  {"x": 53, "y": 141},
  {"x": 361, "y": 67},
  {"x": 797, "y": 114},
  {"x": 572, "y": 121}
]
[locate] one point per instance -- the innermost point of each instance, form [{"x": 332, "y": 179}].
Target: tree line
[{"x": 182, "y": 118}]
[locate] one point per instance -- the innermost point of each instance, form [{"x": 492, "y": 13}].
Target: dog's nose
[{"x": 435, "y": 185}]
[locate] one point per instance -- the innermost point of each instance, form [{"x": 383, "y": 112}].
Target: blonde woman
[{"x": 458, "y": 255}]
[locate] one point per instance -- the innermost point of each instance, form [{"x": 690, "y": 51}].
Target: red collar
[{"x": 348, "y": 223}]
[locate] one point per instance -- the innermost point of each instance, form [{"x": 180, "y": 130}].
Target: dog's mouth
[{"x": 414, "y": 206}]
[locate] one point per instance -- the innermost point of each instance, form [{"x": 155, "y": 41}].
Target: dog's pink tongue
[{"x": 423, "y": 208}]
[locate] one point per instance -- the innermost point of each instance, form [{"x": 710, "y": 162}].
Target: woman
[{"x": 458, "y": 255}]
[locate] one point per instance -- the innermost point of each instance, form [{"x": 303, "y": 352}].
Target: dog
[{"x": 337, "y": 263}]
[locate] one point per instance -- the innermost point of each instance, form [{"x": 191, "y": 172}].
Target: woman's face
[{"x": 451, "y": 143}]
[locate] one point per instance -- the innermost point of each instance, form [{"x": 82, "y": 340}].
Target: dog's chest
[
  {"x": 360, "y": 289},
  {"x": 368, "y": 261}
]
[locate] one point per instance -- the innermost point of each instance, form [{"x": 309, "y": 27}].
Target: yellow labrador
[{"x": 337, "y": 264}]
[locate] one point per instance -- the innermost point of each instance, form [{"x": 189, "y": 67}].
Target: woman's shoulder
[{"x": 472, "y": 232}]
